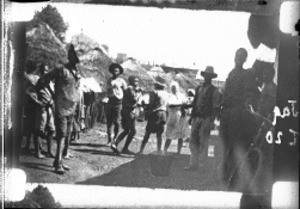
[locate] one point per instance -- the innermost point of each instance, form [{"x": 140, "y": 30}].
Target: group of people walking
[
  {"x": 165, "y": 112},
  {"x": 246, "y": 95},
  {"x": 174, "y": 115}
]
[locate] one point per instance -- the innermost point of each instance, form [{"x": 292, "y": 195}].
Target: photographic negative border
[{"x": 268, "y": 9}]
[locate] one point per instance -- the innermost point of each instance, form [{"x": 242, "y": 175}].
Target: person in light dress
[{"x": 177, "y": 126}]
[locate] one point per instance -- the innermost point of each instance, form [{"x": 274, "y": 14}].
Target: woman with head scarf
[{"x": 176, "y": 125}]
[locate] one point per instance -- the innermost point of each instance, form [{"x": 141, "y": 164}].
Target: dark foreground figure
[
  {"x": 242, "y": 128},
  {"x": 67, "y": 96}
]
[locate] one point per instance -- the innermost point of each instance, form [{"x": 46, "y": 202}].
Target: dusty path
[{"x": 94, "y": 163}]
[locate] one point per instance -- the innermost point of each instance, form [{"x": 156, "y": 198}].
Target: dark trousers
[
  {"x": 113, "y": 111},
  {"x": 128, "y": 124},
  {"x": 156, "y": 124},
  {"x": 238, "y": 129}
]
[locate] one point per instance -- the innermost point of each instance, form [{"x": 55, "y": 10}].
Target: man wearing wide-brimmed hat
[
  {"x": 115, "y": 91},
  {"x": 206, "y": 106}
]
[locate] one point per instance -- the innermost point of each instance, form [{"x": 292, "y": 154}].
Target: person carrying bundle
[
  {"x": 67, "y": 96},
  {"x": 156, "y": 113}
]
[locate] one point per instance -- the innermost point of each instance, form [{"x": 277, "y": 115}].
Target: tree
[{"x": 53, "y": 18}]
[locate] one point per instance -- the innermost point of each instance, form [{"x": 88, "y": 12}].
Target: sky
[{"x": 175, "y": 37}]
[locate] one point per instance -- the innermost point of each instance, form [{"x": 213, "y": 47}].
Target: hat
[
  {"x": 209, "y": 72},
  {"x": 115, "y": 65},
  {"x": 159, "y": 81}
]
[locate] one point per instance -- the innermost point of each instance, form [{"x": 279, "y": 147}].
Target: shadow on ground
[
  {"x": 76, "y": 144},
  {"x": 100, "y": 152},
  {"x": 137, "y": 173},
  {"x": 38, "y": 166}
]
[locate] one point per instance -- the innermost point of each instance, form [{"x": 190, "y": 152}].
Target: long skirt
[{"x": 177, "y": 125}]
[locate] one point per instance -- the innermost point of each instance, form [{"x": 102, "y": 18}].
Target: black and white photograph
[{"x": 150, "y": 104}]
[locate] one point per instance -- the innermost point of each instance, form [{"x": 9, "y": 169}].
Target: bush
[
  {"x": 53, "y": 18},
  {"x": 40, "y": 197}
]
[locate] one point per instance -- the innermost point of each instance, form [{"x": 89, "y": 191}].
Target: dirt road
[{"x": 95, "y": 163}]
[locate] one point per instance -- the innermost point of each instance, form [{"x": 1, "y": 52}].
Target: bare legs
[
  {"x": 37, "y": 145},
  {"x": 58, "y": 158},
  {"x": 146, "y": 138},
  {"x": 179, "y": 145},
  {"x": 130, "y": 133}
]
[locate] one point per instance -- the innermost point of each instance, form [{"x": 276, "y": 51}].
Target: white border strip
[{"x": 86, "y": 196}]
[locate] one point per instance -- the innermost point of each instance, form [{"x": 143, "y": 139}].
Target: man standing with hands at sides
[
  {"x": 206, "y": 107},
  {"x": 237, "y": 126},
  {"x": 66, "y": 97},
  {"x": 130, "y": 102},
  {"x": 115, "y": 92}
]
